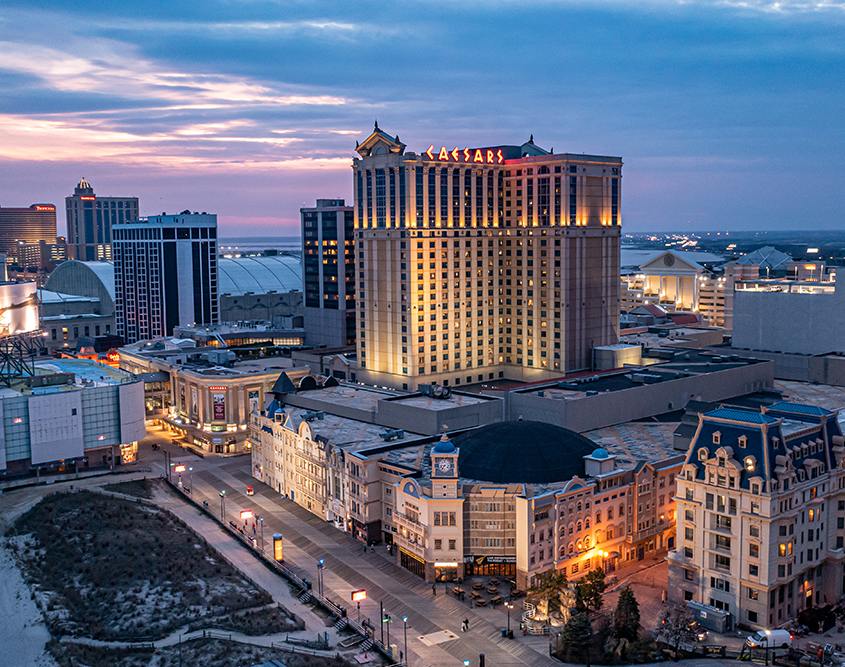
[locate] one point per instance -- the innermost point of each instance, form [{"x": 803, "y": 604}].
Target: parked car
[
  {"x": 770, "y": 639},
  {"x": 700, "y": 633}
]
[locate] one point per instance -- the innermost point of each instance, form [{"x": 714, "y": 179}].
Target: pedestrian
[
  {"x": 466, "y": 623},
  {"x": 434, "y": 589}
]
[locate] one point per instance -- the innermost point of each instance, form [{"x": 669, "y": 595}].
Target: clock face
[
  {"x": 444, "y": 465},
  {"x": 668, "y": 260}
]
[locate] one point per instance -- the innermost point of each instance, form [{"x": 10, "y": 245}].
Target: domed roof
[
  {"x": 600, "y": 454},
  {"x": 444, "y": 446},
  {"x": 522, "y": 452},
  {"x": 83, "y": 187}
]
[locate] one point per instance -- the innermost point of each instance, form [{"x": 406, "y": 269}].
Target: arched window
[
  {"x": 610, "y": 514},
  {"x": 587, "y": 523},
  {"x": 571, "y": 548},
  {"x": 578, "y": 507},
  {"x": 702, "y": 454},
  {"x": 578, "y": 527},
  {"x": 586, "y": 542},
  {"x": 598, "y": 518},
  {"x": 571, "y": 529}
]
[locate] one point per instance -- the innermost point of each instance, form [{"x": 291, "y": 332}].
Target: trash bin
[{"x": 504, "y": 632}]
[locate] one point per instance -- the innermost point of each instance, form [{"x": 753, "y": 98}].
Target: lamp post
[
  {"x": 320, "y": 565},
  {"x": 509, "y": 605},
  {"x": 223, "y": 505},
  {"x": 386, "y": 620},
  {"x": 191, "y": 479},
  {"x": 405, "y": 621},
  {"x": 261, "y": 520}
]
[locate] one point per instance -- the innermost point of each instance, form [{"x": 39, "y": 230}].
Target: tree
[
  {"x": 577, "y": 636},
  {"x": 591, "y": 589},
  {"x": 676, "y": 626},
  {"x": 548, "y": 585},
  {"x": 627, "y": 619}
]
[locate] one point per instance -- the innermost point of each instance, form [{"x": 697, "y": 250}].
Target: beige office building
[{"x": 482, "y": 263}]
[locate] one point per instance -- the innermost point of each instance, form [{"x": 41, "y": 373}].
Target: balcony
[
  {"x": 407, "y": 543},
  {"x": 411, "y": 524}
]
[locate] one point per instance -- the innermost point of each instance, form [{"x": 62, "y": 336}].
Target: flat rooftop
[
  {"x": 350, "y": 434},
  {"x": 682, "y": 362},
  {"x": 455, "y": 400},
  {"x": 348, "y": 396}
]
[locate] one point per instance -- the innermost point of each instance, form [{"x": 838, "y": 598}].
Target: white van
[{"x": 770, "y": 639}]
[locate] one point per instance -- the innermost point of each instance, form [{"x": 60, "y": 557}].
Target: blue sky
[{"x": 728, "y": 115}]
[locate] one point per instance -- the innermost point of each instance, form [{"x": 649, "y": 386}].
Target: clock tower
[{"x": 444, "y": 469}]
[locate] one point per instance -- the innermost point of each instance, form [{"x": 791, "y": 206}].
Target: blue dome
[
  {"x": 599, "y": 454},
  {"x": 445, "y": 446}
]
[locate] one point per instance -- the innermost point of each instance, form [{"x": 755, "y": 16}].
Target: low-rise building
[
  {"x": 512, "y": 498},
  {"x": 70, "y": 415},
  {"x": 212, "y": 390},
  {"x": 761, "y": 514}
]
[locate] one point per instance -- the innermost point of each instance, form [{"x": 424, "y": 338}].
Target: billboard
[
  {"x": 218, "y": 401},
  {"x": 18, "y": 308}
]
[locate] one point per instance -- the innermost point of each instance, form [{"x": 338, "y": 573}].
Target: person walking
[
  {"x": 466, "y": 625},
  {"x": 434, "y": 589}
]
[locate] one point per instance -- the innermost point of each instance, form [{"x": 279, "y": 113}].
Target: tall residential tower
[
  {"x": 165, "y": 269},
  {"x": 328, "y": 263},
  {"x": 90, "y": 219},
  {"x": 483, "y": 263}
]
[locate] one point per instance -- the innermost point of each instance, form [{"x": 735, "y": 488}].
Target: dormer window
[
  {"x": 749, "y": 464},
  {"x": 702, "y": 454},
  {"x": 717, "y": 438},
  {"x": 743, "y": 441}
]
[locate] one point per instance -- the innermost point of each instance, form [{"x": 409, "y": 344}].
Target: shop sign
[{"x": 490, "y": 560}]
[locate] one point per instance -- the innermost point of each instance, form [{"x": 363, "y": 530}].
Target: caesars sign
[{"x": 470, "y": 155}]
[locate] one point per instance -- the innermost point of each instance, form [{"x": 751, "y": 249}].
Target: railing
[{"x": 290, "y": 575}]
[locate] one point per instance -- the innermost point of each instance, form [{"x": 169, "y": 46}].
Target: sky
[{"x": 728, "y": 114}]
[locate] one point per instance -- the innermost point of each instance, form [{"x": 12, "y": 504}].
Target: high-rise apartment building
[
  {"x": 90, "y": 220},
  {"x": 483, "y": 263},
  {"x": 761, "y": 514},
  {"x": 30, "y": 225},
  {"x": 328, "y": 270},
  {"x": 165, "y": 269}
]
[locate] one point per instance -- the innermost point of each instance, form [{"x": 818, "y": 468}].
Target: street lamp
[
  {"x": 320, "y": 565},
  {"x": 405, "y": 621},
  {"x": 191, "y": 479},
  {"x": 509, "y": 605},
  {"x": 261, "y": 520},
  {"x": 223, "y": 505},
  {"x": 180, "y": 469},
  {"x": 386, "y": 620}
]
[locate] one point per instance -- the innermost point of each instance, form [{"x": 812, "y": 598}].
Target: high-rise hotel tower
[{"x": 475, "y": 264}]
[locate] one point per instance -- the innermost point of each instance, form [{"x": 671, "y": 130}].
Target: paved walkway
[{"x": 349, "y": 566}]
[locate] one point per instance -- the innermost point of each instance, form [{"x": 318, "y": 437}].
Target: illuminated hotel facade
[
  {"x": 476, "y": 264},
  {"x": 30, "y": 225},
  {"x": 90, "y": 219}
]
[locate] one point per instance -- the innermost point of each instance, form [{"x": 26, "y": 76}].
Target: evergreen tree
[
  {"x": 627, "y": 617},
  {"x": 577, "y": 636},
  {"x": 592, "y": 588},
  {"x": 548, "y": 586}
]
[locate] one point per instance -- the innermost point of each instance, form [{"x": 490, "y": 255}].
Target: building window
[
  {"x": 689, "y": 575},
  {"x": 753, "y": 570},
  {"x": 687, "y": 552},
  {"x": 754, "y": 550},
  {"x": 452, "y": 545},
  {"x": 438, "y": 545},
  {"x": 752, "y": 616},
  {"x": 702, "y": 454},
  {"x": 689, "y": 533},
  {"x": 717, "y": 438}
]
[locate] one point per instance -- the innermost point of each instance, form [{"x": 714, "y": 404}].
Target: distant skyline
[{"x": 728, "y": 114}]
